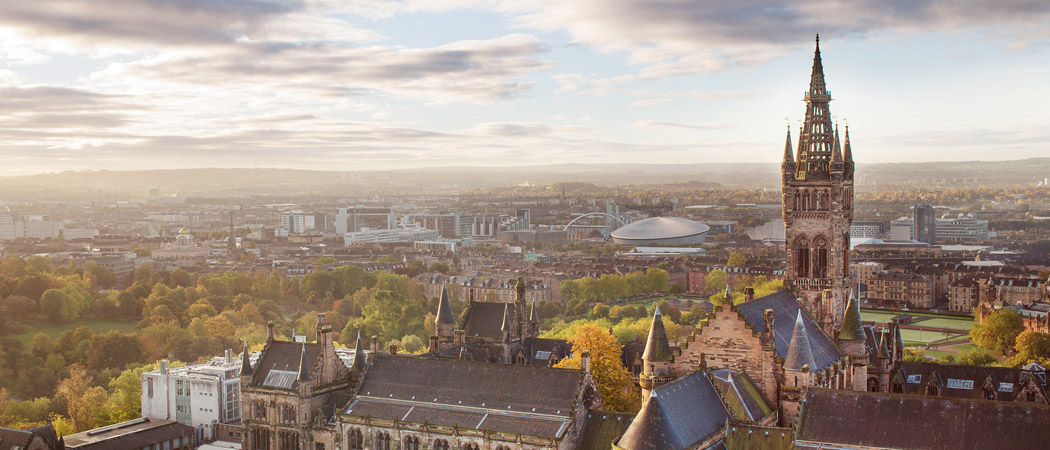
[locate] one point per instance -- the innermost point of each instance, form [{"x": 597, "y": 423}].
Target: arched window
[
  {"x": 355, "y": 440},
  {"x": 897, "y": 388},
  {"x": 441, "y": 444},
  {"x": 471, "y": 446},
  {"x": 873, "y": 385},
  {"x": 820, "y": 263},
  {"x": 260, "y": 410},
  {"x": 411, "y": 443},
  {"x": 520, "y": 360},
  {"x": 502, "y": 447},
  {"x": 932, "y": 390},
  {"x": 288, "y": 440},
  {"x": 801, "y": 253}
]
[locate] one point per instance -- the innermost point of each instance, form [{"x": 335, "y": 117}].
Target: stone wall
[{"x": 727, "y": 342}]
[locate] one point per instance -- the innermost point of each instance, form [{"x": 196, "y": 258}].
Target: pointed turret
[
  {"x": 359, "y": 355},
  {"x": 851, "y": 329},
  {"x": 534, "y": 318},
  {"x": 444, "y": 312},
  {"x": 816, "y": 78},
  {"x": 799, "y": 353},
  {"x": 657, "y": 347},
  {"x": 506, "y": 318},
  {"x": 883, "y": 343},
  {"x": 847, "y": 152},
  {"x": 728, "y": 294},
  {"x": 246, "y": 364},
  {"x": 304, "y": 371},
  {"x": 789, "y": 153},
  {"x": 836, "y": 154}
]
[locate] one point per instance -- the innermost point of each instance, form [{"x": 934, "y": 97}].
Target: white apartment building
[
  {"x": 400, "y": 234},
  {"x": 201, "y": 395}
]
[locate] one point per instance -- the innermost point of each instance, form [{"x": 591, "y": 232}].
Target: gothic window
[
  {"x": 502, "y": 447},
  {"x": 1030, "y": 396},
  {"x": 441, "y": 444},
  {"x": 382, "y": 441},
  {"x": 288, "y": 440},
  {"x": 873, "y": 385},
  {"x": 520, "y": 359},
  {"x": 932, "y": 390},
  {"x": 319, "y": 446},
  {"x": 801, "y": 257},
  {"x": 287, "y": 414},
  {"x": 897, "y": 387},
  {"x": 471, "y": 446},
  {"x": 260, "y": 439},
  {"x": 260, "y": 410},
  {"x": 354, "y": 439},
  {"x": 411, "y": 443}
]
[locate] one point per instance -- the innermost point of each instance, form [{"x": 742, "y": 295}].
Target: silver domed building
[{"x": 661, "y": 231}]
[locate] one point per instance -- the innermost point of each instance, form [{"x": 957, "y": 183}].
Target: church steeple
[
  {"x": 657, "y": 347},
  {"x": 246, "y": 364},
  {"x": 304, "y": 370},
  {"x": 789, "y": 153},
  {"x": 817, "y": 140}
]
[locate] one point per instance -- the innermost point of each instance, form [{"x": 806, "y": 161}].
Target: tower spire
[
  {"x": 359, "y": 355},
  {"x": 789, "y": 154},
  {"x": 836, "y": 154},
  {"x": 799, "y": 353},
  {"x": 817, "y": 140},
  {"x": 847, "y": 153}
]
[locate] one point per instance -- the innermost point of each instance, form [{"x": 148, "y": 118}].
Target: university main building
[{"x": 793, "y": 370}]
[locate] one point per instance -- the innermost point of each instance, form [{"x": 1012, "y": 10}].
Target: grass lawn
[
  {"x": 52, "y": 330},
  {"x": 921, "y": 337},
  {"x": 952, "y": 324},
  {"x": 935, "y": 353},
  {"x": 876, "y": 316}
]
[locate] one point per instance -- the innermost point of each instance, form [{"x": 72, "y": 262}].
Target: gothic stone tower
[{"x": 818, "y": 207}]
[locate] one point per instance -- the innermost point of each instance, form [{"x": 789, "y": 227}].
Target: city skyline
[{"x": 384, "y": 85}]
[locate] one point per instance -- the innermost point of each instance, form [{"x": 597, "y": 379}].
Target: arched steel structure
[{"x": 592, "y": 214}]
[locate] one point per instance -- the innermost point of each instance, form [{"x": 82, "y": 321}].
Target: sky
[{"x": 383, "y": 84}]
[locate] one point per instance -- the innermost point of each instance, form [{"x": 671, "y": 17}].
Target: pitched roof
[
  {"x": 484, "y": 319},
  {"x": 453, "y": 382},
  {"x": 755, "y": 437},
  {"x": 602, "y": 428},
  {"x": 278, "y": 366},
  {"x": 130, "y": 435},
  {"x": 657, "y": 347},
  {"x": 677, "y": 416},
  {"x": 740, "y": 395},
  {"x": 960, "y": 381},
  {"x": 866, "y": 419},
  {"x": 785, "y": 312}
]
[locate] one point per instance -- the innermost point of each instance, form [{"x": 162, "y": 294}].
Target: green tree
[
  {"x": 716, "y": 281},
  {"x": 58, "y": 306},
  {"x": 600, "y": 311},
  {"x": 1031, "y": 346},
  {"x": 657, "y": 279},
  {"x": 999, "y": 330},
  {"x": 736, "y": 259}
]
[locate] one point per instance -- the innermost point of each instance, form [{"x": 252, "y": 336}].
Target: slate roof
[
  {"x": 785, "y": 312},
  {"x": 602, "y": 428},
  {"x": 906, "y": 422},
  {"x": 754, "y": 437},
  {"x": 741, "y": 395},
  {"x": 453, "y": 382},
  {"x": 484, "y": 319},
  {"x": 11, "y": 438},
  {"x": 971, "y": 379},
  {"x": 285, "y": 356},
  {"x": 799, "y": 354},
  {"x": 677, "y": 416},
  {"x": 444, "y": 311},
  {"x": 131, "y": 435}
]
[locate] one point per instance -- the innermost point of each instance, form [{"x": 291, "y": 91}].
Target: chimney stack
[
  {"x": 229, "y": 356},
  {"x": 749, "y": 294},
  {"x": 164, "y": 366},
  {"x": 585, "y": 361},
  {"x": 393, "y": 349},
  {"x": 375, "y": 345},
  {"x": 433, "y": 344}
]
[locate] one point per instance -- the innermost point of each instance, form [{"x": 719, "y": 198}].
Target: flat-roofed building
[
  {"x": 144, "y": 433},
  {"x": 201, "y": 395}
]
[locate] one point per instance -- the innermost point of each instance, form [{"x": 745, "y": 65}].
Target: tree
[
  {"x": 973, "y": 357},
  {"x": 1031, "y": 346},
  {"x": 614, "y": 382},
  {"x": 736, "y": 259},
  {"x": 58, "y": 306},
  {"x": 999, "y": 330},
  {"x": 716, "y": 281},
  {"x": 600, "y": 311},
  {"x": 657, "y": 279},
  {"x": 86, "y": 404},
  {"x": 440, "y": 268}
]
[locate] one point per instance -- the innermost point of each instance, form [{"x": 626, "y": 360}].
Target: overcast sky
[{"x": 376, "y": 84}]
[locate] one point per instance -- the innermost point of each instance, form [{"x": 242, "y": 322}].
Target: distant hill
[{"x": 214, "y": 182}]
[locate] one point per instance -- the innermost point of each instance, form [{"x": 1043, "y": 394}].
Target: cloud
[
  {"x": 136, "y": 22},
  {"x": 665, "y": 126},
  {"x": 478, "y": 71},
  {"x": 684, "y": 37}
]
